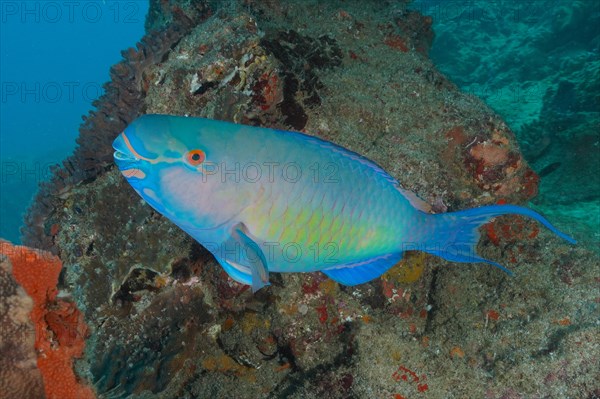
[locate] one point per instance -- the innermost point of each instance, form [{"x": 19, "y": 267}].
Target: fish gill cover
[{"x": 165, "y": 320}]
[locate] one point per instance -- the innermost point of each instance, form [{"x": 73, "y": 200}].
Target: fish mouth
[
  {"x": 125, "y": 153},
  {"x": 123, "y": 157},
  {"x": 122, "y": 152}
]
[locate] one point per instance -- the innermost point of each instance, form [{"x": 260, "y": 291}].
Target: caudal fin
[{"x": 455, "y": 235}]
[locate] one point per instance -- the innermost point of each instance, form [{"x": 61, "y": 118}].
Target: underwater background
[
  {"x": 536, "y": 64},
  {"x": 466, "y": 103},
  {"x": 55, "y": 58},
  {"x": 526, "y": 60}
]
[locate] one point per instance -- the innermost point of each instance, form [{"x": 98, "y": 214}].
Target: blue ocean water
[
  {"x": 536, "y": 64},
  {"x": 54, "y": 58}
]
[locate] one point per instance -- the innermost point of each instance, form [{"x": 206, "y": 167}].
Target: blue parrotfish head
[{"x": 171, "y": 161}]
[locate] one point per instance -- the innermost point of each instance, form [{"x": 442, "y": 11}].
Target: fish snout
[
  {"x": 128, "y": 161},
  {"x": 123, "y": 154}
]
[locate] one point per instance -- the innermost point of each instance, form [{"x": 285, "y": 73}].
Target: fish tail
[{"x": 454, "y": 236}]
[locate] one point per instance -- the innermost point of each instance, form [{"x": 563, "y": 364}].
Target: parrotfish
[{"x": 264, "y": 200}]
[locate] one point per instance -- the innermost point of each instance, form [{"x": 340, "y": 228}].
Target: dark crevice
[
  {"x": 555, "y": 339},
  {"x": 301, "y": 56},
  {"x": 431, "y": 300},
  {"x": 322, "y": 375}
]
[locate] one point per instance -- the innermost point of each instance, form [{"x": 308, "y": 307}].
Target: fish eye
[{"x": 195, "y": 157}]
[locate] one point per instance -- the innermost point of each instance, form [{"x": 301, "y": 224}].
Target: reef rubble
[{"x": 165, "y": 321}]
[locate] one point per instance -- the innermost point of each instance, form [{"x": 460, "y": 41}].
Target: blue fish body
[{"x": 264, "y": 200}]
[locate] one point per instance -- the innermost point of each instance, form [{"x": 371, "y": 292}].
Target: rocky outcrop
[{"x": 167, "y": 322}]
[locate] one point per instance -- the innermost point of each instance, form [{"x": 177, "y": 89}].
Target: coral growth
[
  {"x": 59, "y": 327},
  {"x": 19, "y": 375},
  {"x": 418, "y": 29}
]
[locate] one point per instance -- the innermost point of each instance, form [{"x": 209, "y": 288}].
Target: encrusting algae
[
  {"x": 408, "y": 270},
  {"x": 60, "y": 331}
]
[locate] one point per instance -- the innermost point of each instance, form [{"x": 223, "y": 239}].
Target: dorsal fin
[
  {"x": 411, "y": 197},
  {"x": 414, "y": 200}
]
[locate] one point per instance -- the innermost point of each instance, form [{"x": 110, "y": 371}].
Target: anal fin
[{"x": 363, "y": 271}]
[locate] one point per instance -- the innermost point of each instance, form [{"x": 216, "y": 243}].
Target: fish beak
[{"x": 122, "y": 153}]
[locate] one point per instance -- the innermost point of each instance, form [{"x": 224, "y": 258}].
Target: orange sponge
[{"x": 59, "y": 327}]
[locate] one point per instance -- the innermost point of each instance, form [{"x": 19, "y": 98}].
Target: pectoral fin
[
  {"x": 239, "y": 273},
  {"x": 254, "y": 255}
]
